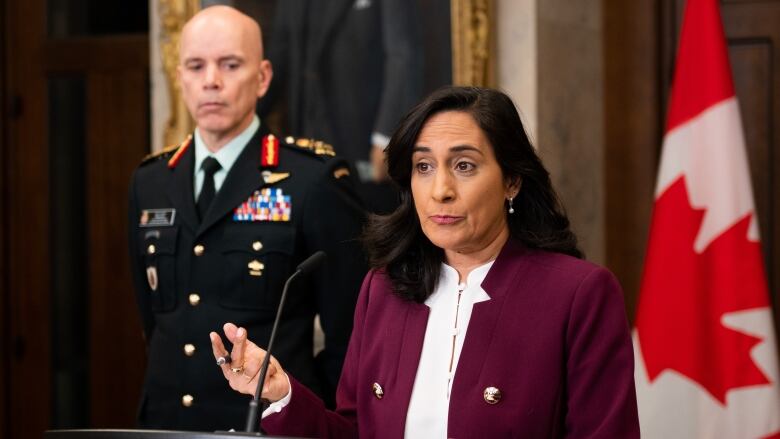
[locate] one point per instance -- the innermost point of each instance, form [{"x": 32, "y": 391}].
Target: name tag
[{"x": 157, "y": 217}]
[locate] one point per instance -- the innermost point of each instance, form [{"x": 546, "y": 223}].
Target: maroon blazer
[{"x": 553, "y": 338}]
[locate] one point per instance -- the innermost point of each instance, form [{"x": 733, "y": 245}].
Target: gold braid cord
[
  {"x": 472, "y": 47},
  {"x": 173, "y": 14}
]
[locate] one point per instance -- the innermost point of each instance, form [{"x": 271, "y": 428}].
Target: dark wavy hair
[{"x": 396, "y": 242}]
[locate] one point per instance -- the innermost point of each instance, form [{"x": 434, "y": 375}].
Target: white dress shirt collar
[{"x": 226, "y": 156}]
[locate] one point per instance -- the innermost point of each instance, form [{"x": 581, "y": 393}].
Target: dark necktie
[{"x": 210, "y": 165}]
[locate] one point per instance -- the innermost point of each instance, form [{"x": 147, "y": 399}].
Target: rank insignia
[
  {"x": 269, "y": 156},
  {"x": 267, "y": 204},
  {"x": 341, "y": 172},
  {"x": 174, "y": 160}
]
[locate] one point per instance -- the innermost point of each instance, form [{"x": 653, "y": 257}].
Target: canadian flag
[{"x": 706, "y": 358}]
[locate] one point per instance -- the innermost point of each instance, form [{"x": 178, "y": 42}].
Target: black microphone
[
  {"x": 311, "y": 263},
  {"x": 304, "y": 268}
]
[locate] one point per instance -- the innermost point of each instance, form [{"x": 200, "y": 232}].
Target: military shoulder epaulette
[
  {"x": 316, "y": 146},
  {"x": 170, "y": 152}
]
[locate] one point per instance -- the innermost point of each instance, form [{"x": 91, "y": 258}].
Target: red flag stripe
[{"x": 702, "y": 75}]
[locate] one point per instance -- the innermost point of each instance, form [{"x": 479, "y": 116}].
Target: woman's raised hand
[{"x": 241, "y": 366}]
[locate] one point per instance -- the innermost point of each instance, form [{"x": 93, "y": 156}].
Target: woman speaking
[{"x": 478, "y": 319}]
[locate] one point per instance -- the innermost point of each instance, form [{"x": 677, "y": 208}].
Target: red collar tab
[
  {"x": 179, "y": 152},
  {"x": 269, "y": 156}
]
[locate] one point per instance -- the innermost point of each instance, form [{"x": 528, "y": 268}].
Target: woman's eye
[
  {"x": 423, "y": 167},
  {"x": 465, "y": 166}
]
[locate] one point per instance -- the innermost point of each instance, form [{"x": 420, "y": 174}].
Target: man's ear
[{"x": 265, "y": 74}]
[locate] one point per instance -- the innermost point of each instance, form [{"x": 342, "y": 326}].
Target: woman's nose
[{"x": 443, "y": 186}]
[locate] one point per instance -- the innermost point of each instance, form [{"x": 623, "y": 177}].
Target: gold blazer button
[
  {"x": 378, "y": 392},
  {"x": 492, "y": 395}
]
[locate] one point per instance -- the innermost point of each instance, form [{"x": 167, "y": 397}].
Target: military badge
[
  {"x": 274, "y": 177},
  {"x": 151, "y": 277},
  {"x": 256, "y": 268},
  {"x": 267, "y": 204}
]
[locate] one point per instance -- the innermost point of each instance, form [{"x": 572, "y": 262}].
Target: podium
[{"x": 149, "y": 434}]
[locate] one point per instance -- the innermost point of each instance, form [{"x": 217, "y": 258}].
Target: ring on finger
[
  {"x": 224, "y": 360},
  {"x": 238, "y": 369}
]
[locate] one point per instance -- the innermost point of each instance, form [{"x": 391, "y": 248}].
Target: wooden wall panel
[
  {"x": 633, "y": 120},
  {"x": 753, "y": 33},
  {"x": 118, "y": 113},
  {"x": 4, "y": 342},
  {"x": 27, "y": 225},
  {"x": 116, "y": 72},
  {"x": 752, "y": 66}
]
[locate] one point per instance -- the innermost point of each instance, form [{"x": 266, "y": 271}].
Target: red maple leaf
[{"x": 684, "y": 296}]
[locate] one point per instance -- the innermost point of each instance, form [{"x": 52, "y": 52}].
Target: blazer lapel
[
  {"x": 409, "y": 358},
  {"x": 180, "y": 191},
  {"x": 242, "y": 179},
  {"x": 483, "y": 327}
]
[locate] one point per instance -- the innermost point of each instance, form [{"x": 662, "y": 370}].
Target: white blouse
[{"x": 451, "y": 304}]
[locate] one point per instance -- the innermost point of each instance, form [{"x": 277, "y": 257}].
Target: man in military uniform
[{"x": 219, "y": 222}]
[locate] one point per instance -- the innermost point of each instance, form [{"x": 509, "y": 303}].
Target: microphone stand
[
  {"x": 251, "y": 418},
  {"x": 305, "y": 267}
]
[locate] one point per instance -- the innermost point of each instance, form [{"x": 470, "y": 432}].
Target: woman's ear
[{"x": 513, "y": 186}]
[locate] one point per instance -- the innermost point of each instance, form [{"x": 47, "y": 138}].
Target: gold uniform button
[
  {"x": 257, "y": 246},
  {"x": 378, "y": 392},
  {"x": 187, "y": 400},
  {"x": 194, "y": 299},
  {"x": 256, "y": 268},
  {"x": 492, "y": 395},
  {"x": 199, "y": 249},
  {"x": 151, "y": 249},
  {"x": 189, "y": 349}
]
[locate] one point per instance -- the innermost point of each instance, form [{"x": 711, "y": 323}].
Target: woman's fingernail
[{"x": 240, "y": 332}]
